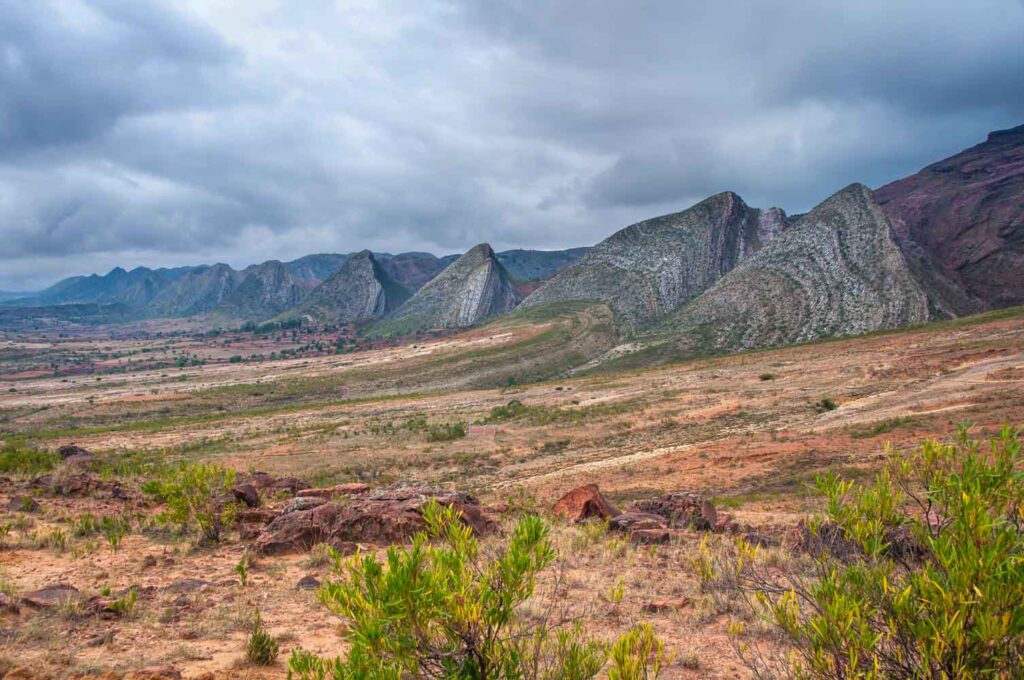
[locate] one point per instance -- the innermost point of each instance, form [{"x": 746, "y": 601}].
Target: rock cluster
[{"x": 390, "y": 515}]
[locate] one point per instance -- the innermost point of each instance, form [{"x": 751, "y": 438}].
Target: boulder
[
  {"x": 247, "y": 494},
  {"x": 74, "y": 484},
  {"x": 682, "y": 510},
  {"x": 308, "y": 582},
  {"x": 266, "y": 482},
  {"x": 635, "y": 521},
  {"x": 584, "y": 502},
  {"x": 72, "y": 450},
  {"x": 383, "y": 517},
  {"x": 22, "y": 504},
  {"x": 52, "y": 596},
  {"x": 188, "y": 585},
  {"x": 300, "y": 503},
  {"x": 349, "y": 489},
  {"x": 154, "y": 673}
]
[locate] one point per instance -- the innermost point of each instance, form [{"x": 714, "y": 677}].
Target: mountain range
[{"x": 717, "y": 277}]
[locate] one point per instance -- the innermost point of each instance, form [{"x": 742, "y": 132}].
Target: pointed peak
[
  {"x": 363, "y": 255},
  {"x": 482, "y": 250}
]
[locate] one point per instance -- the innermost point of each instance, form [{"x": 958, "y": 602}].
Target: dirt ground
[{"x": 750, "y": 431}]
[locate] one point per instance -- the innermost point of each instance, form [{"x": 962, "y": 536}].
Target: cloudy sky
[{"x": 139, "y": 132}]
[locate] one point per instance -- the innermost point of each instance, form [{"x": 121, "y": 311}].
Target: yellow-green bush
[{"x": 931, "y": 581}]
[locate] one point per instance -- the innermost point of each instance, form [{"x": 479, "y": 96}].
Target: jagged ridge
[
  {"x": 838, "y": 271},
  {"x": 650, "y": 268}
]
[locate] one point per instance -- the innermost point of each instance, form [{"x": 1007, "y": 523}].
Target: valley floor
[{"x": 750, "y": 431}]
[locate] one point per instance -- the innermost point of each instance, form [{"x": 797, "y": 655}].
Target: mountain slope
[
  {"x": 650, "y": 268},
  {"x": 360, "y": 291},
  {"x": 264, "y": 290},
  {"x": 199, "y": 290},
  {"x": 471, "y": 289},
  {"x": 962, "y": 220},
  {"x": 538, "y": 265},
  {"x": 838, "y": 271}
]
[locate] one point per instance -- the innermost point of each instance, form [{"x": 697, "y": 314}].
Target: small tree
[
  {"x": 930, "y": 580},
  {"x": 195, "y": 494},
  {"x": 445, "y": 610}
]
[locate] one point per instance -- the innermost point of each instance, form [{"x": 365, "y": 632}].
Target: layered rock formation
[
  {"x": 961, "y": 222},
  {"x": 473, "y": 288},
  {"x": 650, "y": 268},
  {"x": 263, "y": 291},
  {"x": 838, "y": 271},
  {"x": 360, "y": 291}
]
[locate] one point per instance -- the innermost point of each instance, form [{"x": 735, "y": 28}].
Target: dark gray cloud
[{"x": 217, "y": 130}]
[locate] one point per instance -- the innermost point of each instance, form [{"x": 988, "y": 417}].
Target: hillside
[
  {"x": 650, "y": 268},
  {"x": 962, "y": 220}
]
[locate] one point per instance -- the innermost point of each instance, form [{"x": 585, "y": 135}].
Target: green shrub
[
  {"x": 262, "y": 648},
  {"x": 509, "y": 411},
  {"x": 444, "y": 609},
  {"x": 825, "y": 404},
  {"x": 194, "y": 494},
  {"x": 115, "y": 529},
  {"x": 124, "y": 606},
  {"x": 446, "y": 432},
  {"x": 930, "y": 579},
  {"x": 637, "y": 655},
  {"x": 15, "y": 458}
]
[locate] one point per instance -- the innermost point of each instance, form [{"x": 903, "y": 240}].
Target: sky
[{"x": 198, "y": 131}]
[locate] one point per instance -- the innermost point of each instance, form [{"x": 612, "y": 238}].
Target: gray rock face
[
  {"x": 265, "y": 290},
  {"x": 838, "y": 271},
  {"x": 471, "y": 289},
  {"x": 197, "y": 291},
  {"x": 360, "y": 291},
  {"x": 650, "y": 268}
]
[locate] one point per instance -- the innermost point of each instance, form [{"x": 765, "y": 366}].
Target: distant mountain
[
  {"x": 838, "y": 271},
  {"x": 198, "y": 291},
  {"x": 538, "y": 265},
  {"x": 412, "y": 270},
  {"x": 650, "y": 268},
  {"x": 264, "y": 290},
  {"x": 362, "y": 290},
  {"x": 137, "y": 287},
  {"x": 961, "y": 223},
  {"x": 473, "y": 288},
  {"x": 315, "y": 268}
]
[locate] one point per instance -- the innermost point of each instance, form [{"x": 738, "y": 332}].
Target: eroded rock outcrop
[
  {"x": 650, "y": 268},
  {"x": 837, "y": 271},
  {"x": 383, "y": 517},
  {"x": 360, "y": 291},
  {"x": 473, "y": 288}
]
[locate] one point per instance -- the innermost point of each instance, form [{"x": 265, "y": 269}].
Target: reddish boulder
[
  {"x": 22, "y": 504},
  {"x": 247, "y": 494},
  {"x": 584, "y": 502},
  {"x": 665, "y": 605},
  {"x": 386, "y": 516},
  {"x": 52, "y": 596}
]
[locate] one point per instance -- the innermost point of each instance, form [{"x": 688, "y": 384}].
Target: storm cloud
[{"x": 165, "y": 133}]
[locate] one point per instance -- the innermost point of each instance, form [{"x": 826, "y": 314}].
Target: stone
[
  {"x": 635, "y": 521},
  {"x": 300, "y": 503},
  {"x": 682, "y": 510},
  {"x": 247, "y": 494},
  {"x": 382, "y": 517},
  {"x": 72, "y": 450},
  {"x": 308, "y": 582},
  {"x": 650, "y": 536},
  {"x": 361, "y": 290},
  {"x": 52, "y": 596},
  {"x": 101, "y": 639},
  {"x": 349, "y": 489},
  {"x": 22, "y": 503},
  {"x": 584, "y": 502}
]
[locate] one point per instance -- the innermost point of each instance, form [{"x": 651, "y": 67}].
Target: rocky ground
[{"x": 350, "y": 446}]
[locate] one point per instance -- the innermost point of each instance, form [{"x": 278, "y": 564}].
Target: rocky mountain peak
[
  {"x": 471, "y": 289},
  {"x": 650, "y": 268},
  {"x": 360, "y": 291}
]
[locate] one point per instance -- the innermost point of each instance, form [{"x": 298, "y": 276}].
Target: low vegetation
[
  {"x": 194, "y": 494},
  {"x": 918, "y": 575},
  {"x": 444, "y": 608}
]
